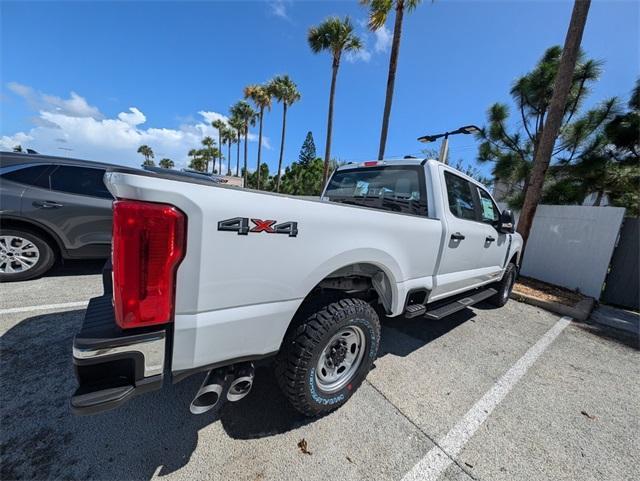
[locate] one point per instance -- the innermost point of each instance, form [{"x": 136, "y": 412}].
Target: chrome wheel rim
[
  {"x": 17, "y": 254},
  {"x": 340, "y": 359}
]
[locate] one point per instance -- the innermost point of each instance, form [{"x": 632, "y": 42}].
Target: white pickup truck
[{"x": 211, "y": 278}]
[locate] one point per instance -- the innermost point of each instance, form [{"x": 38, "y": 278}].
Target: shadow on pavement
[
  {"x": 151, "y": 435},
  {"x": 76, "y": 268}
]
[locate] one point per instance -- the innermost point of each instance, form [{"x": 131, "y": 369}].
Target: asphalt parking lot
[{"x": 488, "y": 394}]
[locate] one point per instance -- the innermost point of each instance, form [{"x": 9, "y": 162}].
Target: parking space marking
[
  {"x": 440, "y": 457},
  {"x": 44, "y": 307}
]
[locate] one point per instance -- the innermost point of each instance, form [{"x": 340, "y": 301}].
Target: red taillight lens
[{"x": 148, "y": 245}]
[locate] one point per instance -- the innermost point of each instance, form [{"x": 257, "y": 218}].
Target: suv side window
[
  {"x": 462, "y": 203},
  {"x": 80, "y": 180},
  {"x": 35, "y": 175},
  {"x": 489, "y": 211}
]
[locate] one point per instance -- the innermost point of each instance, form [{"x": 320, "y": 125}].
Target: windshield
[{"x": 396, "y": 189}]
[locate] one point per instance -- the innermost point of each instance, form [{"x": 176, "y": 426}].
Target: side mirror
[{"x": 506, "y": 224}]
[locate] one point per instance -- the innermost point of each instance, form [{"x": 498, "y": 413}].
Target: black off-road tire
[
  {"x": 304, "y": 343},
  {"x": 47, "y": 256},
  {"x": 505, "y": 286}
]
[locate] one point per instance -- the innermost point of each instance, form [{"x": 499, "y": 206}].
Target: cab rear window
[{"x": 395, "y": 189}]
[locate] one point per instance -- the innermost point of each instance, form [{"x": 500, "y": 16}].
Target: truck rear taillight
[{"x": 148, "y": 245}]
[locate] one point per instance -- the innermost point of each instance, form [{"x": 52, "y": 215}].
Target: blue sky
[{"x": 96, "y": 79}]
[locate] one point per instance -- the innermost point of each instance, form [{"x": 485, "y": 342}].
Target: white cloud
[
  {"x": 383, "y": 39},
  {"x": 74, "y": 106},
  {"x": 86, "y": 133},
  {"x": 279, "y": 8}
]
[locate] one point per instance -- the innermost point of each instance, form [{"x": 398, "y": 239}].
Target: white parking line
[
  {"x": 44, "y": 307},
  {"x": 440, "y": 457}
]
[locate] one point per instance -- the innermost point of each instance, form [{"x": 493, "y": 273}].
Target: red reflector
[
  {"x": 370, "y": 163},
  {"x": 148, "y": 245}
]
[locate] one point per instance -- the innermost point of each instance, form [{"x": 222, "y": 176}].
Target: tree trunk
[
  {"x": 259, "y": 149},
  {"x": 246, "y": 178},
  {"x": 327, "y": 148},
  {"x": 561, "y": 87},
  {"x": 229, "y": 155},
  {"x": 238, "y": 154},
  {"x": 219, "y": 154},
  {"x": 393, "y": 64},
  {"x": 284, "y": 128}
]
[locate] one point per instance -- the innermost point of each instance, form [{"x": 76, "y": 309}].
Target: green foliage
[
  {"x": 266, "y": 180},
  {"x": 283, "y": 89},
  {"x": 147, "y": 153},
  {"x": 512, "y": 151},
  {"x": 308, "y": 150},
  {"x": 379, "y": 10},
  {"x": 166, "y": 163},
  {"x": 244, "y": 115},
  {"x": 17, "y": 148},
  {"x": 611, "y": 166},
  {"x": 303, "y": 178},
  {"x": 334, "y": 35}
]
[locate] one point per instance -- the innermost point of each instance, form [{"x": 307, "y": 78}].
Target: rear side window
[
  {"x": 461, "y": 200},
  {"x": 396, "y": 189},
  {"x": 79, "y": 180},
  {"x": 35, "y": 175}
]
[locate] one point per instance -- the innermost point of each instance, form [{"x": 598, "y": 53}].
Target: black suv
[{"x": 50, "y": 208}]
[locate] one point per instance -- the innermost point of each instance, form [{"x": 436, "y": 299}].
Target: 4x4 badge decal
[{"x": 241, "y": 226}]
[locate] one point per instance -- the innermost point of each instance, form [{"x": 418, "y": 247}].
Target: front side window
[
  {"x": 79, "y": 180},
  {"x": 461, "y": 201},
  {"x": 396, "y": 189},
  {"x": 490, "y": 213}
]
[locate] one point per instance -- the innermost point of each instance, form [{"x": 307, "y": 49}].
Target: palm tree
[
  {"x": 335, "y": 36},
  {"x": 261, "y": 97},
  {"x": 219, "y": 125},
  {"x": 247, "y": 116},
  {"x": 284, "y": 90},
  {"x": 18, "y": 148},
  {"x": 237, "y": 125},
  {"x": 228, "y": 137},
  {"x": 147, "y": 153},
  {"x": 378, "y": 13},
  {"x": 561, "y": 88},
  {"x": 166, "y": 163},
  {"x": 209, "y": 143}
]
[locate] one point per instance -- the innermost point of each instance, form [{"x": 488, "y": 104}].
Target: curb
[{"x": 580, "y": 312}]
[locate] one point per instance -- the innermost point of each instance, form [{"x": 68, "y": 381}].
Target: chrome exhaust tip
[
  {"x": 242, "y": 383},
  {"x": 209, "y": 394}
]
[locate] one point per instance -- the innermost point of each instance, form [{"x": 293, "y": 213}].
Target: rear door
[
  {"x": 75, "y": 204},
  {"x": 465, "y": 263}
]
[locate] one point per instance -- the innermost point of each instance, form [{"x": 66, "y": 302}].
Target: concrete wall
[{"x": 571, "y": 246}]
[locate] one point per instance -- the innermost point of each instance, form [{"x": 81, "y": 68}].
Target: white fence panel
[{"x": 571, "y": 246}]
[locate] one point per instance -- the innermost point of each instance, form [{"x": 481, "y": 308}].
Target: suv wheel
[
  {"x": 23, "y": 255},
  {"x": 325, "y": 357}
]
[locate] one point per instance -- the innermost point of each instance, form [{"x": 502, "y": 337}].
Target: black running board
[{"x": 460, "y": 304}]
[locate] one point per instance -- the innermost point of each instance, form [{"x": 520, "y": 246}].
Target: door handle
[
  {"x": 490, "y": 239},
  {"x": 46, "y": 204},
  {"x": 457, "y": 236}
]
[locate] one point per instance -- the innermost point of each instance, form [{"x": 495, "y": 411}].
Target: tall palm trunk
[
  {"x": 332, "y": 93},
  {"x": 284, "y": 128},
  {"x": 391, "y": 80},
  {"x": 599, "y": 197},
  {"x": 238, "y": 154},
  {"x": 246, "y": 134},
  {"x": 219, "y": 155},
  {"x": 555, "y": 113},
  {"x": 229, "y": 156},
  {"x": 259, "y": 149}
]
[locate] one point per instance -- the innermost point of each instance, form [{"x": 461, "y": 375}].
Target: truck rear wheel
[{"x": 326, "y": 356}]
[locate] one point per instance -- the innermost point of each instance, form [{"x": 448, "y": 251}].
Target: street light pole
[
  {"x": 444, "y": 150},
  {"x": 444, "y": 147}
]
